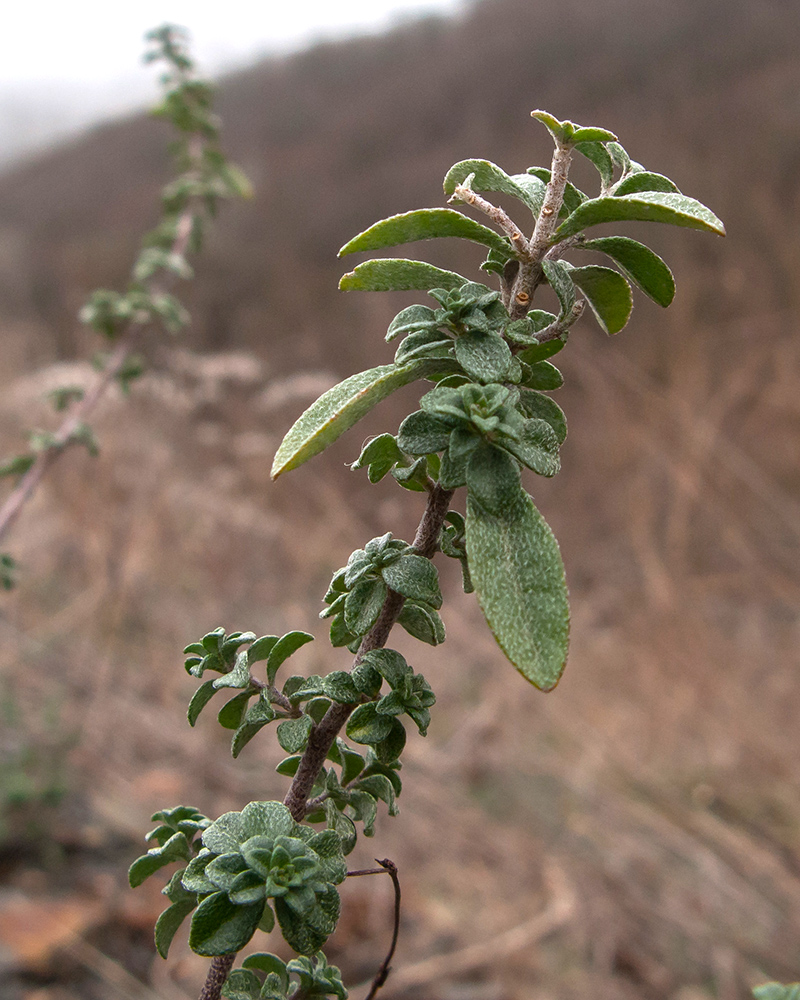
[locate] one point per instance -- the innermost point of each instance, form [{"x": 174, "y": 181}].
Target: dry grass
[{"x": 635, "y": 834}]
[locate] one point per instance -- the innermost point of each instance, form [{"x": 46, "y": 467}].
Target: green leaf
[
  {"x": 200, "y": 699},
  {"x": 17, "y": 466},
  {"x": 592, "y": 134},
  {"x": 485, "y": 357},
  {"x": 398, "y": 274},
  {"x": 777, "y": 991},
  {"x": 307, "y": 934},
  {"x": 238, "y": 677},
  {"x": 389, "y": 749},
  {"x": 169, "y": 922},
  {"x": 283, "y": 649},
  {"x": 487, "y": 176},
  {"x": 425, "y": 224},
  {"x": 414, "y": 576},
  {"x": 492, "y": 479},
  {"x": 422, "y": 433},
  {"x": 220, "y": 927},
  {"x": 293, "y": 733},
  {"x": 597, "y": 153},
  {"x": 649, "y": 206},
  {"x": 534, "y": 404},
  {"x": 344, "y": 405},
  {"x": 557, "y": 273},
  {"x": 366, "y": 726},
  {"x": 422, "y": 622},
  {"x": 536, "y": 447},
  {"x": 542, "y": 375},
  {"x": 232, "y": 712},
  {"x": 241, "y": 985},
  {"x": 261, "y": 649},
  {"x": 363, "y": 605},
  {"x": 608, "y": 294},
  {"x": 519, "y": 579},
  {"x": 643, "y": 180},
  {"x": 639, "y": 264},
  {"x": 258, "y": 716}
]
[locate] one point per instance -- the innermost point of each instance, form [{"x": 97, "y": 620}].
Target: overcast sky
[
  {"x": 65, "y": 64},
  {"x": 101, "y": 40}
]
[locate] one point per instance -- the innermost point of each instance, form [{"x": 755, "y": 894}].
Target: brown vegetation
[{"x": 636, "y": 834}]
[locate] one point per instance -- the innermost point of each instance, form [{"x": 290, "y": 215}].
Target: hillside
[{"x": 654, "y": 796}]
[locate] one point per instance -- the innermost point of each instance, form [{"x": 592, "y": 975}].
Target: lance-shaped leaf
[
  {"x": 569, "y": 132},
  {"x": 487, "y": 176},
  {"x": 342, "y": 406},
  {"x": 425, "y": 224},
  {"x": 607, "y": 292},
  {"x": 648, "y": 206},
  {"x": 639, "y": 264},
  {"x": 518, "y": 575},
  {"x": 396, "y": 274}
]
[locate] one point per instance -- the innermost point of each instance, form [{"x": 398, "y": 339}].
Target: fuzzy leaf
[
  {"x": 519, "y": 579},
  {"x": 283, "y": 649},
  {"x": 643, "y": 180},
  {"x": 608, "y": 294},
  {"x": 639, "y": 264},
  {"x": 293, "y": 733},
  {"x": 397, "y": 274},
  {"x": 220, "y": 927},
  {"x": 366, "y": 726},
  {"x": 777, "y": 991},
  {"x": 492, "y": 480},
  {"x": 169, "y": 922},
  {"x": 557, "y": 273},
  {"x": 535, "y": 404},
  {"x": 414, "y": 576},
  {"x": 342, "y": 406},
  {"x": 486, "y": 357},
  {"x": 487, "y": 176},
  {"x": 423, "y": 622},
  {"x": 425, "y": 224},
  {"x": 200, "y": 699},
  {"x": 648, "y": 206},
  {"x": 597, "y": 153}
]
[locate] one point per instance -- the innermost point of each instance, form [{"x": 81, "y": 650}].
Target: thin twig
[
  {"x": 383, "y": 973},
  {"x": 221, "y": 966},
  {"x": 498, "y": 216},
  {"x": 65, "y": 435}
]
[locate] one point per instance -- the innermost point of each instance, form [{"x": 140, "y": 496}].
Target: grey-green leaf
[
  {"x": 398, "y": 274},
  {"x": 608, "y": 294},
  {"x": 557, "y": 273},
  {"x": 639, "y": 264},
  {"x": 344, "y": 405},
  {"x": 644, "y": 180},
  {"x": 425, "y": 224},
  {"x": 486, "y": 357},
  {"x": 487, "y": 176},
  {"x": 200, "y": 699},
  {"x": 220, "y": 927},
  {"x": 647, "y": 206},
  {"x": 518, "y": 575},
  {"x": 777, "y": 991}
]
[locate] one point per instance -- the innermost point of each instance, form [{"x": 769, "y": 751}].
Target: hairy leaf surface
[{"x": 425, "y": 224}]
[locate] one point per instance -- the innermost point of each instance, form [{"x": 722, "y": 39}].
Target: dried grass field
[{"x": 634, "y": 834}]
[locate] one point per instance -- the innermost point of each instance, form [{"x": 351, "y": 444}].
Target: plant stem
[
  {"x": 530, "y": 271},
  {"x": 65, "y": 435},
  {"x": 221, "y": 966},
  {"x": 426, "y": 542}
]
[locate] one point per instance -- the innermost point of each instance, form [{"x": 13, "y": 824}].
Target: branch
[
  {"x": 322, "y": 736},
  {"x": 465, "y": 193},
  {"x": 383, "y": 973}
]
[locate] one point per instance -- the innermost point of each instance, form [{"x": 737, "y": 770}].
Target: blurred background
[{"x": 634, "y": 834}]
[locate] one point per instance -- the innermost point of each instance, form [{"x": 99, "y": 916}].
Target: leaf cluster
[
  {"x": 357, "y": 592},
  {"x": 313, "y": 979}
]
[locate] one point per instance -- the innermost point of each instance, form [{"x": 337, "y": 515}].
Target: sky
[{"x": 67, "y": 63}]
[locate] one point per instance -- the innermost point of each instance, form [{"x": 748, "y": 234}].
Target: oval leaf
[
  {"x": 639, "y": 264},
  {"x": 425, "y": 224},
  {"x": 607, "y": 292},
  {"x": 644, "y": 180},
  {"x": 220, "y": 927},
  {"x": 649, "y": 206},
  {"x": 518, "y": 575},
  {"x": 398, "y": 274},
  {"x": 342, "y": 406}
]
